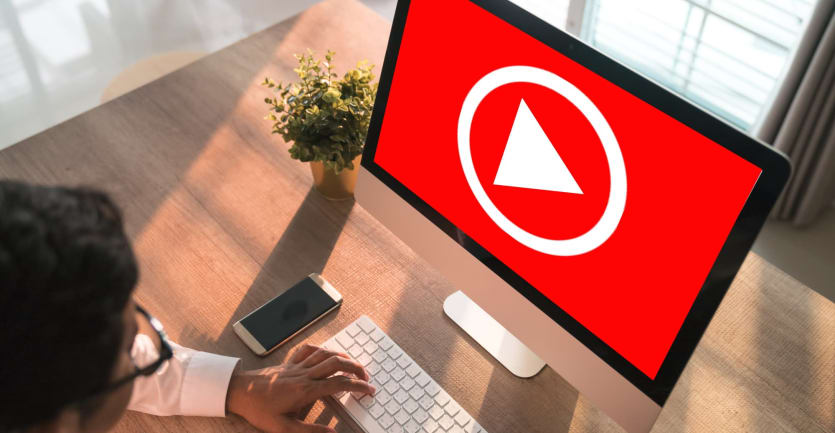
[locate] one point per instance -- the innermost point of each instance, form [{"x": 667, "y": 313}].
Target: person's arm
[
  {"x": 190, "y": 383},
  {"x": 205, "y": 384}
]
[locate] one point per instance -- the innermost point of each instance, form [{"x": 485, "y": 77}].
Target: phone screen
[{"x": 289, "y": 312}]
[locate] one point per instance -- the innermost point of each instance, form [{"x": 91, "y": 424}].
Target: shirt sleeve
[{"x": 190, "y": 383}]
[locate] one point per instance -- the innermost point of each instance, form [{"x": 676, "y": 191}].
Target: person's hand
[{"x": 270, "y": 398}]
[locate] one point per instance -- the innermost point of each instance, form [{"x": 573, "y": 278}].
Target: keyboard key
[
  {"x": 352, "y": 329},
  {"x": 432, "y": 389},
  {"x": 411, "y": 426},
  {"x": 332, "y": 344},
  {"x": 355, "y": 351},
  {"x": 374, "y": 383},
  {"x": 475, "y": 428},
  {"x": 386, "y": 343},
  {"x": 422, "y": 379},
  {"x": 377, "y": 410},
  {"x": 396, "y": 428},
  {"x": 452, "y": 408},
  {"x": 403, "y": 361},
  {"x": 430, "y": 425},
  {"x": 386, "y": 420},
  {"x": 364, "y": 359},
  {"x": 402, "y": 417},
  {"x": 370, "y": 347},
  {"x": 456, "y": 429},
  {"x": 366, "y": 324},
  {"x": 344, "y": 340},
  {"x": 442, "y": 398},
  {"x": 420, "y": 416},
  {"x": 412, "y": 370},
  {"x": 367, "y": 401},
  {"x": 373, "y": 368},
  {"x": 401, "y": 396},
  {"x": 398, "y": 374},
  {"x": 388, "y": 364},
  {"x": 462, "y": 418},
  {"x": 410, "y": 406},
  {"x": 426, "y": 402},
  {"x": 382, "y": 397},
  {"x": 407, "y": 384},
  {"x": 362, "y": 338},
  {"x": 382, "y": 377},
  {"x": 377, "y": 335},
  {"x": 394, "y": 352},
  {"x": 358, "y": 395},
  {"x": 416, "y": 393},
  {"x": 446, "y": 422},
  {"x": 435, "y": 412},
  {"x": 379, "y": 356},
  {"x": 392, "y": 387},
  {"x": 392, "y": 407}
]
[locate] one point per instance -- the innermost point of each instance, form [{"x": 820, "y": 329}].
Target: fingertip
[{"x": 369, "y": 388}]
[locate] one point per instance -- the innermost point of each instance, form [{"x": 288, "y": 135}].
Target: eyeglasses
[{"x": 165, "y": 353}]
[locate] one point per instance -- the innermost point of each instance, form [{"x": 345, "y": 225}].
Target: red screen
[{"x": 683, "y": 191}]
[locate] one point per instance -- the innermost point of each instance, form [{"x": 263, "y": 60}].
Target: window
[{"x": 727, "y": 56}]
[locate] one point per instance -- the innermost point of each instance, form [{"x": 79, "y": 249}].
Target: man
[{"x": 77, "y": 351}]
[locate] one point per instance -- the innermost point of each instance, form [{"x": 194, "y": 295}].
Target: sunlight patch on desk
[{"x": 190, "y": 253}]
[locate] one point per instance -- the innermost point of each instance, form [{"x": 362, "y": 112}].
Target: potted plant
[{"x": 325, "y": 119}]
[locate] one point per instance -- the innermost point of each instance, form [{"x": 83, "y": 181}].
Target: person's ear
[{"x": 68, "y": 421}]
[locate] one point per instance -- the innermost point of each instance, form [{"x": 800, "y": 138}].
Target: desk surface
[{"x": 223, "y": 220}]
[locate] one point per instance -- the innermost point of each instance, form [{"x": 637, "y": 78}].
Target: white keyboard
[{"x": 407, "y": 399}]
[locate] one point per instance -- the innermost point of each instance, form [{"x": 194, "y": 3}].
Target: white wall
[{"x": 57, "y": 56}]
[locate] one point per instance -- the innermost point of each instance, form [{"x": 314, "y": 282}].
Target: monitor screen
[{"x": 601, "y": 202}]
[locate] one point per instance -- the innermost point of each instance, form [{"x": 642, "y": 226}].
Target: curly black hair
[{"x": 67, "y": 272}]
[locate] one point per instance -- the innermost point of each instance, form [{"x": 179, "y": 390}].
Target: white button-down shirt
[{"x": 190, "y": 383}]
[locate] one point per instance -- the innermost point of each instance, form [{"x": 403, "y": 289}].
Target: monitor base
[{"x": 493, "y": 337}]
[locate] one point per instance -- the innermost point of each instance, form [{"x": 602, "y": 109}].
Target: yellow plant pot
[{"x": 335, "y": 186}]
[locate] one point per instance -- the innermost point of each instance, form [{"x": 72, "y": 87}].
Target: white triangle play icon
[{"x": 530, "y": 160}]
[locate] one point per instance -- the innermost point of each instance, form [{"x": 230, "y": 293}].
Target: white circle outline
[{"x": 610, "y": 219}]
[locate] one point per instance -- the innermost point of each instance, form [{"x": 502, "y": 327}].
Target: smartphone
[{"x": 289, "y": 313}]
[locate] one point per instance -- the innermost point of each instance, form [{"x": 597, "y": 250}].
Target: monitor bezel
[{"x": 775, "y": 173}]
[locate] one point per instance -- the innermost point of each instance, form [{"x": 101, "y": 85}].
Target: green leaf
[{"x": 322, "y": 117}]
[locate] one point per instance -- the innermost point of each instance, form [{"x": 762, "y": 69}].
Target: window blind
[{"x": 728, "y": 56}]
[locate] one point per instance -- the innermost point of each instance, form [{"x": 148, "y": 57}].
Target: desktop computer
[{"x": 591, "y": 219}]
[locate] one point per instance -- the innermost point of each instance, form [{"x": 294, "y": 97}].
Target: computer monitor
[{"x": 596, "y": 216}]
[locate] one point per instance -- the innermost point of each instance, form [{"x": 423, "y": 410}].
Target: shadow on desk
[
  {"x": 304, "y": 247},
  {"x": 410, "y": 310}
]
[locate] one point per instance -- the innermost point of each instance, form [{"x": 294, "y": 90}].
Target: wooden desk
[{"x": 222, "y": 220}]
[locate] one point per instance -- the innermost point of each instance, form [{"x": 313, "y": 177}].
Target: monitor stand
[{"x": 492, "y": 336}]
